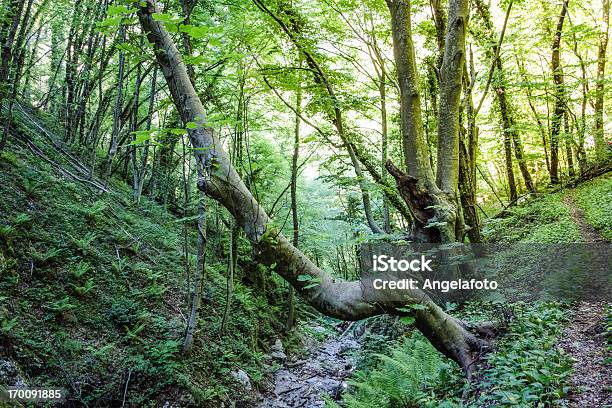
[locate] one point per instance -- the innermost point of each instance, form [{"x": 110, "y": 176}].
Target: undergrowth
[
  {"x": 526, "y": 369},
  {"x": 93, "y": 294},
  {"x": 595, "y": 198},
  {"x": 543, "y": 220}
]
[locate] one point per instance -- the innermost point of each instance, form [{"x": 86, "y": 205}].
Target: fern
[
  {"x": 93, "y": 213},
  {"x": 84, "y": 244},
  {"x": 48, "y": 257},
  {"x": 85, "y": 289},
  {"x": 402, "y": 379},
  {"x": 81, "y": 269}
]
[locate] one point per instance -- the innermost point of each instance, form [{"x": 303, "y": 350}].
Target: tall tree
[
  {"x": 294, "y": 173},
  {"x": 9, "y": 31},
  {"x": 512, "y": 139},
  {"x": 560, "y": 97},
  {"x": 112, "y": 149},
  {"x": 600, "y": 143},
  {"x": 331, "y": 296}
]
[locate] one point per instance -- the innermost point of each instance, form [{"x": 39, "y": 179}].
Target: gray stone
[
  {"x": 243, "y": 378},
  {"x": 278, "y": 346},
  {"x": 10, "y": 374},
  {"x": 278, "y": 355}
]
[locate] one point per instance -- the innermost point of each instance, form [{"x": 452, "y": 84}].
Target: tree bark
[
  {"x": 600, "y": 142},
  {"x": 569, "y": 141},
  {"x": 17, "y": 65},
  {"x": 559, "y": 109},
  {"x": 413, "y": 140},
  {"x": 13, "y": 16},
  {"x": 294, "y": 207},
  {"x": 112, "y": 150},
  {"x": 333, "y": 297},
  {"x": 379, "y": 64},
  {"x": 196, "y": 291}
]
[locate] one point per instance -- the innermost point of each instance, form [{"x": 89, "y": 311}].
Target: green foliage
[
  {"x": 86, "y": 288},
  {"x": 595, "y": 198},
  {"x": 60, "y": 306},
  {"x": 123, "y": 312},
  {"x": 81, "y": 269},
  {"x": 527, "y": 369},
  {"x": 408, "y": 377},
  {"x": 31, "y": 185},
  {"x": 545, "y": 219},
  {"x": 7, "y": 325},
  {"x": 84, "y": 243},
  {"x": 313, "y": 282},
  {"x": 9, "y": 157},
  {"x": 94, "y": 212},
  {"x": 119, "y": 265},
  {"x": 45, "y": 258}
]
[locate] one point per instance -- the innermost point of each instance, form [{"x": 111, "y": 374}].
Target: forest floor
[
  {"x": 106, "y": 279},
  {"x": 328, "y": 368},
  {"x": 320, "y": 373},
  {"x": 591, "y": 380}
]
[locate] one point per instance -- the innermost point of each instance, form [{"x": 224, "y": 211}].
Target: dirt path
[
  {"x": 589, "y": 233},
  {"x": 304, "y": 383},
  {"x": 585, "y": 339}
]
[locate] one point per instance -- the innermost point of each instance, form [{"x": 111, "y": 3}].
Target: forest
[{"x": 191, "y": 192}]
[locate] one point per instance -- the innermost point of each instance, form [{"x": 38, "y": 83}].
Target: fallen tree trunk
[{"x": 331, "y": 296}]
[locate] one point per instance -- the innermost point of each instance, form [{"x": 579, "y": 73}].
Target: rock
[
  {"x": 278, "y": 346},
  {"x": 319, "y": 329},
  {"x": 278, "y": 355},
  {"x": 243, "y": 378},
  {"x": 10, "y": 374}
]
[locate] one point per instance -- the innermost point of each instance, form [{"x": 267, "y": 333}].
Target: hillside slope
[{"x": 93, "y": 293}]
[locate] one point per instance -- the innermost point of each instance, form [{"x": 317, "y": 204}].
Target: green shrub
[
  {"x": 124, "y": 312},
  {"x": 527, "y": 369}
]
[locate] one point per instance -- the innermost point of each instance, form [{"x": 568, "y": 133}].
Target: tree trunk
[
  {"x": 17, "y": 65},
  {"x": 512, "y": 141},
  {"x": 569, "y": 141},
  {"x": 559, "y": 109},
  {"x": 467, "y": 157},
  {"x": 112, "y": 150},
  {"x": 145, "y": 151},
  {"x": 378, "y": 62},
  {"x": 413, "y": 140},
  {"x": 294, "y": 172},
  {"x": 196, "y": 290},
  {"x": 600, "y": 142},
  {"x": 333, "y": 297},
  {"x": 12, "y": 20}
]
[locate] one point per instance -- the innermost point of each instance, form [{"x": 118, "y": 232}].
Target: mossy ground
[{"x": 93, "y": 293}]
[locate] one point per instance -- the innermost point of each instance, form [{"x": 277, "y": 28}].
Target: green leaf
[
  {"x": 142, "y": 136},
  {"x": 178, "y": 131},
  {"x": 407, "y": 319},
  {"x": 304, "y": 278},
  {"x": 117, "y": 11}
]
